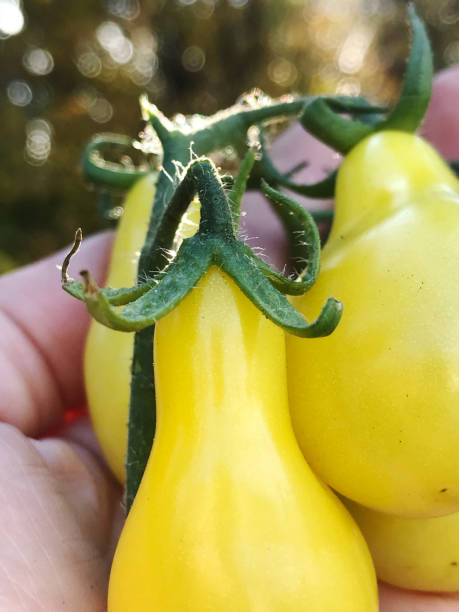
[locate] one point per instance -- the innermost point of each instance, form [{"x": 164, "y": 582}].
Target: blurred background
[{"x": 71, "y": 69}]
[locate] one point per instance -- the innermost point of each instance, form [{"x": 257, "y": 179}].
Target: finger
[
  {"x": 76, "y": 451},
  {"x": 48, "y": 560},
  {"x": 41, "y": 340},
  {"x": 392, "y": 599},
  {"x": 441, "y": 125}
]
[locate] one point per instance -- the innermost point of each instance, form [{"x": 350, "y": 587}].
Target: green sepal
[
  {"x": 215, "y": 243},
  {"x": 115, "y": 297},
  {"x": 411, "y": 107},
  {"x": 184, "y": 272},
  {"x": 74, "y": 288},
  {"x": 304, "y": 242},
  {"x": 287, "y": 286},
  {"x": 105, "y": 173},
  {"x": 283, "y": 284},
  {"x": 124, "y": 295},
  {"x": 234, "y": 260}
]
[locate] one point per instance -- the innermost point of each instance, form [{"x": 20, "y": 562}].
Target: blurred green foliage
[{"x": 76, "y": 68}]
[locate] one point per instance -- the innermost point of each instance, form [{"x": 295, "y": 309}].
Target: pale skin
[{"x": 60, "y": 510}]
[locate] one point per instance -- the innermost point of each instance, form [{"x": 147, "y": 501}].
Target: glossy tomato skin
[
  {"x": 228, "y": 515},
  {"x": 375, "y": 405},
  {"x": 108, "y": 353}
]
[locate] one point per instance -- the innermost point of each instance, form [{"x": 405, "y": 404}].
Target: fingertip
[{"x": 441, "y": 124}]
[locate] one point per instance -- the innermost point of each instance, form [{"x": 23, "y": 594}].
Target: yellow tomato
[
  {"x": 375, "y": 405},
  {"x": 228, "y": 515},
  {"x": 419, "y": 554}
]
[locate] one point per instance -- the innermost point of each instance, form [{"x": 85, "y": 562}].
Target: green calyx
[
  {"x": 216, "y": 244},
  {"x": 109, "y": 174},
  {"x": 321, "y": 116}
]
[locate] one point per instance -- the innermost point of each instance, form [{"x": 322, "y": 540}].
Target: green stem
[
  {"x": 411, "y": 107},
  {"x": 231, "y": 129},
  {"x": 142, "y": 404},
  {"x": 142, "y": 413},
  {"x": 325, "y": 124}
]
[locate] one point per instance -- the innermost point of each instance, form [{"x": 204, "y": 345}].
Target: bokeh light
[
  {"x": 126, "y": 9},
  {"x": 238, "y": 3},
  {"x": 193, "y": 58},
  {"x": 89, "y": 64},
  {"x": 95, "y": 104},
  {"x": 352, "y": 54},
  {"x": 451, "y": 53},
  {"x": 38, "y": 61},
  {"x": 112, "y": 39},
  {"x": 282, "y": 72},
  {"x": 19, "y": 93},
  {"x": 11, "y": 18},
  {"x": 38, "y": 141},
  {"x": 70, "y": 69}
]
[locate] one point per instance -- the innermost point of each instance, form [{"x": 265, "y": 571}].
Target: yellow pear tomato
[
  {"x": 420, "y": 554},
  {"x": 228, "y": 515},
  {"x": 375, "y": 404}
]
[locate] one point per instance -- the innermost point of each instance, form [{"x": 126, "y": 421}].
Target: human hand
[
  {"x": 60, "y": 514},
  {"x": 59, "y": 505}
]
